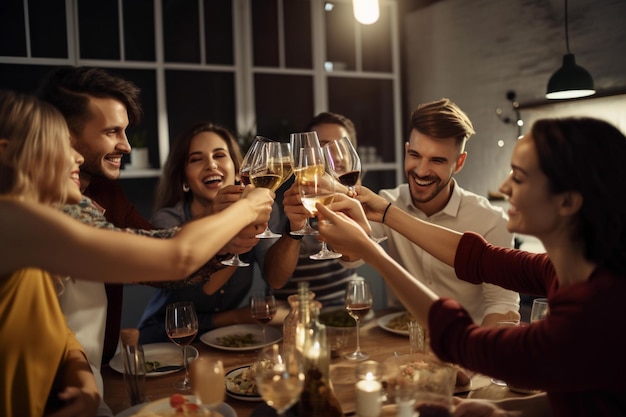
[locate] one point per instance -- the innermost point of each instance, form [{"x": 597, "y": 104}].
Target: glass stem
[
  {"x": 358, "y": 330},
  {"x": 186, "y": 382}
]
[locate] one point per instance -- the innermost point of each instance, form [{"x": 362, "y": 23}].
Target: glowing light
[{"x": 366, "y": 11}]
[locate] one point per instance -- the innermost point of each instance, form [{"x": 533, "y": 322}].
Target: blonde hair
[{"x": 36, "y": 163}]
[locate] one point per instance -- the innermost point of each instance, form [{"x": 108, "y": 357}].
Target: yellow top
[{"x": 34, "y": 341}]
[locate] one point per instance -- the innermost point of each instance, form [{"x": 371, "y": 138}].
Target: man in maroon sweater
[{"x": 98, "y": 107}]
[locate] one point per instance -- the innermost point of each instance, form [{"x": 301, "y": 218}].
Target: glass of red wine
[
  {"x": 344, "y": 162},
  {"x": 263, "y": 309},
  {"x": 358, "y": 303},
  {"x": 181, "y": 325}
]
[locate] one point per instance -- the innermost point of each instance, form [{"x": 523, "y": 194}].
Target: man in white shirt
[{"x": 434, "y": 153}]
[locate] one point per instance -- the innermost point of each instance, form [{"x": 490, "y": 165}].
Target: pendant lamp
[
  {"x": 571, "y": 80},
  {"x": 366, "y": 12}
]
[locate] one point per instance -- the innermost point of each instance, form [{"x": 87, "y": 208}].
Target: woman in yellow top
[{"x": 42, "y": 367}]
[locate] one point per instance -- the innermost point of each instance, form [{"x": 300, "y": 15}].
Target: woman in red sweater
[{"x": 564, "y": 186}]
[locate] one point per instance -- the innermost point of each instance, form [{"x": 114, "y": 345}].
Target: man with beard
[{"x": 434, "y": 153}]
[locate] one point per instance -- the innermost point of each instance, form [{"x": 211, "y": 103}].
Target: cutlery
[{"x": 167, "y": 368}]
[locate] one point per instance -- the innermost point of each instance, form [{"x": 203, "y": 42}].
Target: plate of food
[
  {"x": 241, "y": 384},
  {"x": 241, "y": 337},
  {"x": 396, "y": 323},
  {"x": 173, "y": 406},
  {"x": 160, "y": 359}
]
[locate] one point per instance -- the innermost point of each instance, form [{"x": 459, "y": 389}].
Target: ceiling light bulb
[{"x": 366, "y": 11}]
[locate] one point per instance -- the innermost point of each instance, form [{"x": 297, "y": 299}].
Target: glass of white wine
[
  {"x": 316, "y": 185},
  {"x": 266, "y": 171},
  {"x": 279, "y": 377},
  {"x": 300, "y": 141}
]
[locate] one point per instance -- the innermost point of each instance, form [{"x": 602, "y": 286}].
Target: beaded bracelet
[{"x": 385, "y": 212}]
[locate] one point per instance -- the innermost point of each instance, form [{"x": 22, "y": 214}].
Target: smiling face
[
  {"x": 209, "y": 166},
  {"x": 533, "y": 209},
  {"x": 102, "y": 140},
  {"x": 429, "y": 165},
  {"x": 73, "y": 192}
]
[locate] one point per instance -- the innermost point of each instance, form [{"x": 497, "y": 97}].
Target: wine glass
[
  {"x": 316, "y": 185},
  {"x": 539, "y": 310},
  {"x": 207, "y": 382},
  {"x": 344, "y": 162},
  {"x": 266, "y": 171},
  {"x": 279, "y": 377},
  {"x": 345, "y": 165},
  {"x": 299, "y": 141},
  {"x": 244, "y": 175},
  {"x": 358, "y": 303},
  {"x": 263, "y": 309},
  {"x": 181, "y": 325},
  {"x": 285, "y": 151}
]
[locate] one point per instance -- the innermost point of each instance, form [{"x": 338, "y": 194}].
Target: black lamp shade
[{"x": 570, "y": 81}]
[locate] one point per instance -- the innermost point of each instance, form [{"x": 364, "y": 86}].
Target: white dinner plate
[
  {"x": 167, "y": 354},
  {"x": 273, "y": 335},
  {"x": 384, "y": 321},
  {"x": 230, "y": 390},
  {"x": 162, "y": 408}
]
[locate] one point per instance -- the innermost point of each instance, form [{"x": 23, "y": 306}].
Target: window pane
[
  {"x": 98, "y": 27},
  {"x": 265, "y": 33},
  {"x": 284, "y": 104},
  {"x": 194, "y": 96},
  {"x": 181, "y": 32},
  {"x": 48, "y": 28},
  {"x": 340, "y": 41},
  {"x": 376, "y": 43},
  {"x": 369, "y": 104},
  {"x": 139, "y": 30},
  {"x": 218, "y": 18},
  {"x": 297, "y": 17},
  {"x": 12, "y": 29}
]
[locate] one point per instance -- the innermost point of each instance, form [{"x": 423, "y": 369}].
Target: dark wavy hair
[
  {"x": 170, "y": 188},
  {"x": 586, "y": 156},
  {"x": 68, "y": 88}
]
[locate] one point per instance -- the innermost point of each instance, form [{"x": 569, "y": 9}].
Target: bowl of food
[{"x": 339, "y": 328}]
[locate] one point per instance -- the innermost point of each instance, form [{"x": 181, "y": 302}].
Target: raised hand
[
  {"x": 373, "y": 205},
  {"x": 294, "y": 210},
  {"x": 225, "y": 197},
  {"x": 344, "y": 234},
  {"x": 353, "y": 209},
  {"x": 261, "y": 200}
]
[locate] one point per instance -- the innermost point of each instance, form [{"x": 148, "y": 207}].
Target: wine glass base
[
  {"x": 305, "y": 231},
  {"x": 268, "y": 234},
  {"x": 498, "y": 382},
  {"x": 234, "y": 261},
  {"x": 325, "y": 255},
  {"x": 378, "y": 239},
  {"x": 357, "y": 356}
]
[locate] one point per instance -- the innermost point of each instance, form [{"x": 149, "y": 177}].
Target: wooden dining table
[{"x": 380, "y": 344}]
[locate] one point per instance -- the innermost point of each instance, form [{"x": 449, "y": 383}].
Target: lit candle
[{"x": 368, "y": 398}]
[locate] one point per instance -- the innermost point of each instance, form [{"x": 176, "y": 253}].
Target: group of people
[{"x": 448, "y": 258}]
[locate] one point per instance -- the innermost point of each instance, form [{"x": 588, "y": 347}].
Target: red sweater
[{"x": 577, "y": 354}]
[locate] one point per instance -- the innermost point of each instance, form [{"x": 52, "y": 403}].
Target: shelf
[{"x": 140, "y": 173}]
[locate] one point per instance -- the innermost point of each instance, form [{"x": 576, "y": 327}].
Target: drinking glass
[
  {"x": 358, "y": 303},
  {"x": 266, "y": 171},
  {"x": 244, "y": 175},
  {"x": 344, "y": 162},
  {"x": 181, "y": 325},
  {"x": 539, "y": 310},
  {"x": 207, "y": 382},
  {"x": 279, "y": 377},
  {"x": 299, "y": 141},
  {"x": 285, "y": 151},
  {"x": 496, "y": 381},
  {"x": 345, "y": 165},
  {"x": 316, "y": 185},
  {"x": 263, "y": 309}
]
